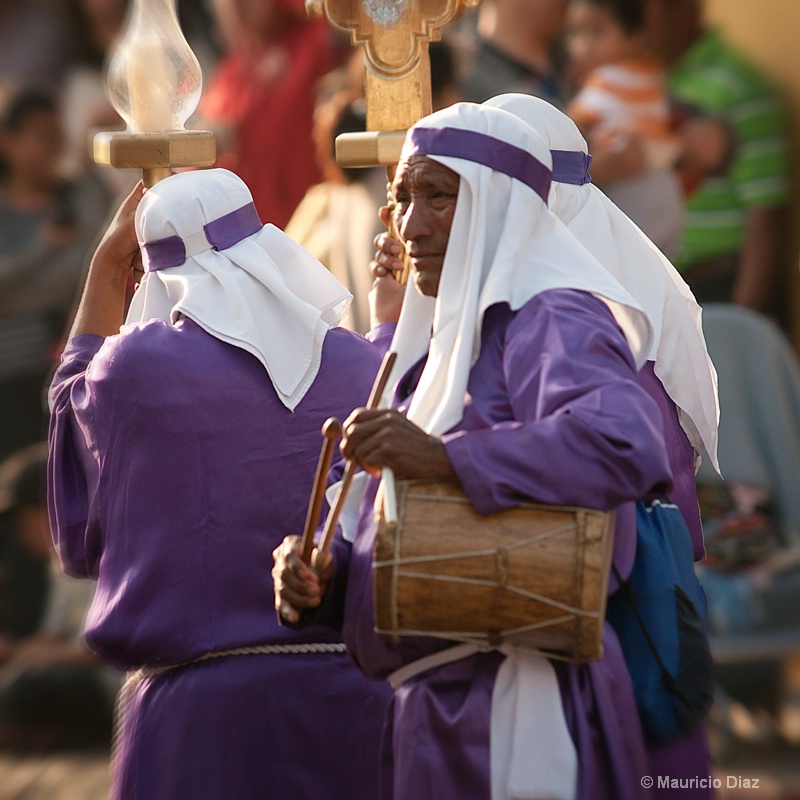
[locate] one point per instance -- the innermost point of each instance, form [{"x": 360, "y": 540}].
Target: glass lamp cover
[{"x": 154, "y": 79}]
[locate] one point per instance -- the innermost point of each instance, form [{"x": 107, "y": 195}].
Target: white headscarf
[
  {"x": 208, "y": 257},
  {"x": 497, "y": 253},
  {"x": 678, "y": 349}
]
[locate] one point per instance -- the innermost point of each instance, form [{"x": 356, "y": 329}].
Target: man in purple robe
[
  {"x": 517, "y": 374},
  {"x": 182, "y": 447}
]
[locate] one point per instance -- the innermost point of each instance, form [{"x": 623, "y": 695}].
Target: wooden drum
[{"x": 534, "y": 577}]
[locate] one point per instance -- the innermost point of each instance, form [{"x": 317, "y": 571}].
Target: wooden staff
[
  {"x": 330, "y": 432},
  {"x": 331, "y": 522},
  {"x": 395, "y": 35}
]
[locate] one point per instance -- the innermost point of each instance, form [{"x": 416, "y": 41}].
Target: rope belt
[
  {"x": 255, "y": 650},
  {"x": 135, "y": 677}
]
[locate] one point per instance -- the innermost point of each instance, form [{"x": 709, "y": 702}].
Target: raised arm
[
  {"x": 73, "y": 462},
  {"x": 102, "y": 304}
]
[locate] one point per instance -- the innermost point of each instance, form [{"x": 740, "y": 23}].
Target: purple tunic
[
  {"x": 554, "y": 414},
  {"x": 174, "y": 472}
]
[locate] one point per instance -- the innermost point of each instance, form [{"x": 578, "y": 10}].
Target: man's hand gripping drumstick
[
  {"x": 301, "y": 573},
  {"x": 372, "y": 439}
]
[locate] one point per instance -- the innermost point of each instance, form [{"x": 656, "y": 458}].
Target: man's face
[{"x": 425, "y": 195}]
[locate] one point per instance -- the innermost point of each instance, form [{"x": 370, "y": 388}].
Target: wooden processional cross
[{"x": 395, "y": 35}]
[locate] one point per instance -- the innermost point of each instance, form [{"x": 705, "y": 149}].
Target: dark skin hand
[
  {"x": 297, "y": 585},
  {"x": 386, "y": 298},
  {"x": 377, "y": 439},
  {"x": 102, "y": 304},
  {"x": 389, "y": 251},
  {"x": 425, "y": 195}
]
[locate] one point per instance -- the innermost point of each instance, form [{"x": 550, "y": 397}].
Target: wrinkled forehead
[{"x": 424, "y": 172}]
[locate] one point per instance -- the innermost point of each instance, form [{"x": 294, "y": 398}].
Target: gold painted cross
[{"x": 395, "y": 35}]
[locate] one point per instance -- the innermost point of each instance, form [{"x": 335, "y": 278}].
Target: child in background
[{"x": 623, "y": 97}]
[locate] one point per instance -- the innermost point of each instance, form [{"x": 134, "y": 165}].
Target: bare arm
[
  {"x": 102, "y": 304},
  {"x": 762, "y": 251}
]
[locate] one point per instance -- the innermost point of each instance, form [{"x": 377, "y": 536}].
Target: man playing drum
[{"x": 517, "y": 356}]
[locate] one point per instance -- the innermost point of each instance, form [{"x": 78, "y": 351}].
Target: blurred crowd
[{"x": 687, "y": 137}]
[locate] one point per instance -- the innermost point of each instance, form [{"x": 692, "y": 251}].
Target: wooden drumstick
[
  {"x": 331, "y": 522},
  {"x": 330, "y": 431}
]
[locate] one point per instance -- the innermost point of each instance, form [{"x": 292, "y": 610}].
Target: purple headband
[
  {"x": 482, "y": 149},
  {"x": 571, "y": 166},
  {"x": 220, "y": 233}
]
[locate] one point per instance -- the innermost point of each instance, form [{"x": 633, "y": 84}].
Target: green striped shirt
[{"x": 718, "y": 80}]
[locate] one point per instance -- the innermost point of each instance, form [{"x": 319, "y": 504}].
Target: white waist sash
[{"x": 532, "y": 754}]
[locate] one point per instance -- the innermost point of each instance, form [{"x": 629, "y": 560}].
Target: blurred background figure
[
  {"x": 34, "y": 43},
  {"x": 623, "y": 94},
  {"x": 54, "y": 694},
  {"x": 736, "y": 225},
  {"x": 516, "y": 50},
  {"x": 96, "y": 25},
  {"x": 261, "y": 99},
  {"x": 24, "y": 548},
  {"x": 47, "y": 224},
  {"x": 751, "y": 519},
  {"x": 198, "y": 25},
  {"x": 337, "y": 219}
]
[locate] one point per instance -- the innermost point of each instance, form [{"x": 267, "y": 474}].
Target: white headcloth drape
[
  {"x": 498, "y": 253},
  {"x": 263, "y": 293},
  {"x": 678, "y": 349},
  {"x": 505, "y": 247}
]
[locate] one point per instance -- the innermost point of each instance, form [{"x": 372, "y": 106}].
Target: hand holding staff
[
  {"x": 328, "y": 532},
  {"x": 330, "y": 431}
]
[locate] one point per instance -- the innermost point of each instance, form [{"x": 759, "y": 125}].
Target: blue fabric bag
[{"x": 659, "y": 617}]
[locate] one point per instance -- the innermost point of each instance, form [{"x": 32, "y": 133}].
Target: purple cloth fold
[
  {"x": 221, "y": 234},
  {"x": 481, "y": 149},
  {"x": 571, "y": 166},
  {"x": 555, "y": 414},
  {"x": 174, "y": 471}
]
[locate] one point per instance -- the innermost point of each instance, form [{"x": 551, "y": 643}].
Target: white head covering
[
  {"x": 496, "y": 253},
  {"x": 207, "y": 257},
  {"x": 678, "y": 349}
]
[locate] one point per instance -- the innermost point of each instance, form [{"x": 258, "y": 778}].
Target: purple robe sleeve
[
  {"x": 381, "y": 336},
  {"x": 73, "y": 463},
  {"x": 581, "y": 431}
]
